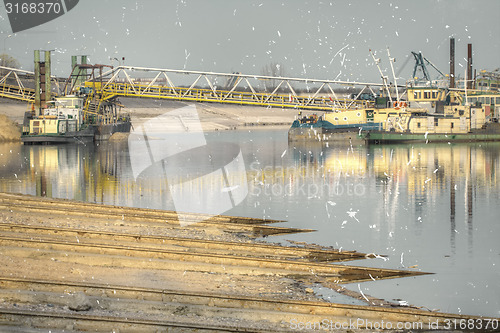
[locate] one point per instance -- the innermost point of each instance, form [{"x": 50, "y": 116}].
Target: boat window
[
  {"x": 436, "y": 121},
  {"x": 427, "y": 94},
  {"x": 481, "y": 100},
  {"x": 498, "y": 100},
  {"x": 452, "y": 125},
  {"x": 487, "y": 100},
  {"x": 418, "y": 125},
  {"x": 434, "y": 94},
  {"x": 415, "y": 95},
  {"x": 336, "y": 118}
]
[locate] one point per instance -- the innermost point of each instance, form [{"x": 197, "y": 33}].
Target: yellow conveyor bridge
[
  {"x": 197, "y": 86},
  {"x": 226, "y": 88}
]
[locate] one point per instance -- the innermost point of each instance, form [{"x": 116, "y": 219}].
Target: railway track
[
  {"x": 104, "y": 323},
  {"x": 137, "y": 270},
  {"x": 105, "y": 252},
  {"x": 141, "y": 218},
  {"x": 154, "y": 243},
  {"x": 168, "y": 309}
]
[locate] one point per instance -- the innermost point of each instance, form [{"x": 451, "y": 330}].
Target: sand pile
[
  {"x": 119, "y": 137},
  {"x": 9, "y": 131}
]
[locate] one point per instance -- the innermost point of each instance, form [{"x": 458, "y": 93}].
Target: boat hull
[
  {"x": 90, "y": 134},
  {"x": 491, "y": 132},
  {"x": 83, "y": 136},
  {"x": 326, "y": 131},
  {"x": 104, "y": 132}
]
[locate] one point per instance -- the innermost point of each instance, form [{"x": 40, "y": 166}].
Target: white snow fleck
[
  {"x": 352, "y": 214},
  {"x": 230, "y": 188},
  {"x": 359, "y": 288}
]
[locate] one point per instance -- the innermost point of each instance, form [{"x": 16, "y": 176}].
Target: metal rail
[
  {"x": 17, "y": 92},
  {"x": 255, "y": 250},
  {"x": 47, "y": 238},
  {"x": 251, "y": 230},
  {"x": 106, "y": 253},
  {"x": 284, "y": 92},
  {"x": 107, "y": 323},
  {"x": 274, "y": 311},
  {"x": 143, "y": 217},
  {"x": 13, "y": 87},
  {"x": 120, "y": 210},
  {"x": 120, "y": 303},
  {"x": 243, "y": 89},
  {"x": 192, "y": 94}
]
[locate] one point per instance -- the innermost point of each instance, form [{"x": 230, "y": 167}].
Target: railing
[
  {"x": 16, "y": 92},
  {"x": 321, "y": 103},
  {"x": 12, "y": 84}
]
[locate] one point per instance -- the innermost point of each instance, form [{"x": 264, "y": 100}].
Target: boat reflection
[
  {"x": 418, "y": 174},
  {"x": 423, "y": 172}
]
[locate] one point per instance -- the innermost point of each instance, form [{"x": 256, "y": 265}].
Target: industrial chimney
[
  {"x": 469, "y": 66},
  {"x": 452, "y": 62}
]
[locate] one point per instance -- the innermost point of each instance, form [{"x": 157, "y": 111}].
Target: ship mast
[
  {"x": 384, "y": 78},
  {"x": 391, "y": 60}
]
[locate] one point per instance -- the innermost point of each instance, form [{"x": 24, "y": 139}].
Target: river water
[{"x": 433, "y": 208}]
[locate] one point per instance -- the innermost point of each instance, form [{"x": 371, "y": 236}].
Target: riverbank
[
  {"x": 9, "y": 130},
  {"x": 81, "y": 266}
]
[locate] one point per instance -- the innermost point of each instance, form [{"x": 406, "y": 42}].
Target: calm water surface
[{"x": 433, "y": 208}]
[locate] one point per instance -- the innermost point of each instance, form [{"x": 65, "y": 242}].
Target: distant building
[{"x": 488, "y": 80}]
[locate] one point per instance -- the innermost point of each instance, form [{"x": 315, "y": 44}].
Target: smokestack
[
  {"x": 452, "y": 62},
  {"x": 469, "y": 66}
]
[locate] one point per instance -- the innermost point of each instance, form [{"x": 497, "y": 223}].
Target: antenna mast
[
  {"x": 384, "y": 78},
  {"x": 391, "y": 60}
]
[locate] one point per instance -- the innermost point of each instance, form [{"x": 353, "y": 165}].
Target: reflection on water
[{"x": 429, "y": 207}]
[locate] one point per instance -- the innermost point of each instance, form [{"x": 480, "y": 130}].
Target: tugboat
[
  {"x": 334, "y": 126},
  {"x": 443, "y": 113},
  {"x": 468, "y": 119},
  {"x": 75, "y": 119},
  {"x": 87, "y": 115},
  {"x": 432, "y": 112}
]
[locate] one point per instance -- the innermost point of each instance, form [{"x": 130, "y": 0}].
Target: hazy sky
[{"x": 311, "y": 39}]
